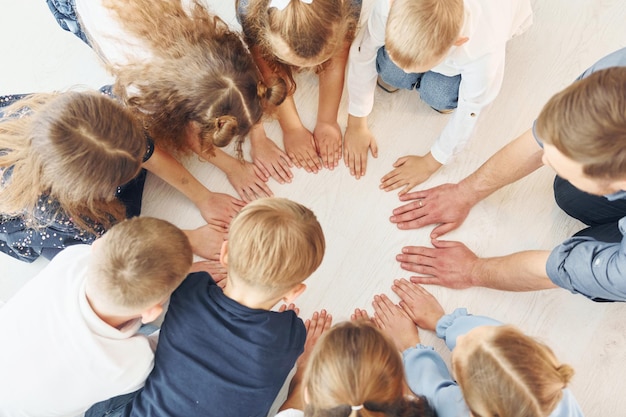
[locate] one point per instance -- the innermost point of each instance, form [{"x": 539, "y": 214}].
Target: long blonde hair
[
  {"x": 310, "y": 30},
  {"x": 353, "y": 365},
  {"x": 511, "y": 374},
  {"x": 200, "y": 71},
  {"x": 76, "y": 148}
]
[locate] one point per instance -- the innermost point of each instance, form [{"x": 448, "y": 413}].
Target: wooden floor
[{"x": 567, "y": 37}]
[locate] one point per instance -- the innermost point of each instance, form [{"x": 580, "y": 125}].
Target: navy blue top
[{"x": 216, "y": 357}]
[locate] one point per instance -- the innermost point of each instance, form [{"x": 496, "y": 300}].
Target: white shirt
[
  {"x": 488, "y": 24},
  {"x": 57, "y": 357}
]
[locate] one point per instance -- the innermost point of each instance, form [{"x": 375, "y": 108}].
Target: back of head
[
  {"x": 200, "y": 71},
  {"x": 78, "y": 148},
  {"x": 587, "y": 123},
  {"x": 511, "y": 374},
  {"x": 139, "y": 262},
  {"x": 274, "y": 244},
  {"x": 420, "y": 32},
  {"x": 353, "y": 365},
  {"x": 301, "y": 34}
]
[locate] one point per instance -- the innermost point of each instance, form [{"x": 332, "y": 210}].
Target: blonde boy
[
  {"x": 69, "y": 336},
  {"x": 450, "y": 51},
  {"x": 222, "y": 352}
]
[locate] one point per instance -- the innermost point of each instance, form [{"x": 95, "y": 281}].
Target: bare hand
[
  {"x": 206, "y": 241},
  {"x": 218, "y": 209},
  {"x": 248, "y": 181},
  {"x": 409, "y": 171},
  {"x": 315, "y": 327},
  {"x": 449, "y": 264},
  {"x": 270, "y": 159},
  {"x": 419, "y": 304},
  {"x": 300, "y": 147},
  {"x": 291, "y": 307},
  {"x": 360, "y": 314},
  {"x": 214, "y": 268},
  {"x": 327, "y": 138},
  {"x": 394, "y": 321},
  {"x": 447, "y": 204},
  {"x": 357, "y": 142}
]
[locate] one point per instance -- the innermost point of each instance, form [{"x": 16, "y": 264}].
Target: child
[
  {"x": 69, "y": 336},
  {"x": 355, "y": 371},
  {"x": 186, "y": 74},
  {"x": 285, "y": 35},
  {"x": 451, "y": 51},
  {"x": 48, "y": 201},
  {"x": 499, "y": 370},
  {"x": 222, "y": 352}
]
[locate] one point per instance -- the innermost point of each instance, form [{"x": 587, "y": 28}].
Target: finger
[
  {"x": 425, "y": 280},
  {"x": 406, "y": 189},
  {"x": 315, "y": 160},
  {"x": 400, "y": 162},
  {"x": 295, "y": 159},
  {"x": 262, "y": 190},
  {"x": 442, "y": 229},
  {"x": 262, "y": 168},
  {"x": 374, "y": 148},
  {"x": 419, "y": 250},
  {"x": 415, "y": 195},
  {"x": 440, "y": 244},
  {"x": 352, "y": 163}
]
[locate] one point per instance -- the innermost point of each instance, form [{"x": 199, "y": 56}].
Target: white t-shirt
[
  {"x": 57, "y": 357},
  {"x": 488, "y": 24}
]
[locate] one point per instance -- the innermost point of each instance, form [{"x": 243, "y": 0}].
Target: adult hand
[
  {"x": 409, "y": 171},
  {"x": 447, "y": 204},
  {"x": 269, "y": 158},
  {"x": 449, "y": 264},
  {"x": 394, "y": 322},
  {"x": 248, "y": 181},
  {"x": 419, "y": 304},
  {"x": 358, "y": 140},
  {"x": 300, "y": 146},
  {"x": 327, "y": 138}
]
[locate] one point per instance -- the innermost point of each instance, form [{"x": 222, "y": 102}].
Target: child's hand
[
  {"x": 420, "y": 305},
  {"x": 358, "y": 140},
  {"x": 248, "y": 180},
  {"x": 300, "y": 147},
  {"x": 218, "y": 209},
  {"x": 214, "y": 268},
  {"x": 327, "y": 138},
  {"x": 291, "y": 307},
  {"x": 410, "y": 171},
  {"x": 395, "y": 322},
  {"x": 360, "y": 314},
  {"x": 268, "y": 157},
  {"x": 315, "y": 326},
  {"x": 206, "y": 241}
]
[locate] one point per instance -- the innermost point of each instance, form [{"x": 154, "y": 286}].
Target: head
[
  {"x": 354, "y": 364},
  {"x": 503, "y": 372},
  {"x": 77, "y": 147},
  {"x": 200, "y": 74},
  {"x": 273, "y": 245},
  {"x": 136, "y": 265},
  {"x": 420, "y": 33},
  {"x": 300, "y": 34},
  {"x": 583, "y": 129}
]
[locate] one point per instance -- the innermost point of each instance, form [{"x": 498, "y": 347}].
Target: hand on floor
[
  {"x": 357, "y": 142},
  {"x": 420, "y": 305},
  {"x": 206, "y": 241},
  {"x": 248, "y": 181},
  {"x": 300, "y": 147},
  {"x": 395, "y": 323},
  {"x": 327, "y": 138},
  {"x": 409, "y": 171},
  {"x": 270, "y": 159},
  {"x": 214, "y": 268}
]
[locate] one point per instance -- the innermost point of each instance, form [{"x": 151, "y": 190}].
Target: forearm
[
  {"x": 288, "y": 117},
  {"x": 331, "y": 81},
  {"x": 164, "y": 166},
  {"x": 520, "y": 271},
  {"x": 511, "y": 163}
]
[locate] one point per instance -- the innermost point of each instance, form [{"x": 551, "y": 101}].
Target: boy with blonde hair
[
  {"x": 223, "y": 352},
  {"x": 450, "y": 51},
  {"x": 69, "y": 336}
]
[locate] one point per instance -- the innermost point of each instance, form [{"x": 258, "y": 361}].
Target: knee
[{"x": 439, "y": 91}]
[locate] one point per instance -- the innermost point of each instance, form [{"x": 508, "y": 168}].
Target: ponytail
[{"x": 274, "y": 94}]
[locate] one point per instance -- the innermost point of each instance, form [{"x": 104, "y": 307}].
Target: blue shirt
[{"x": 428, "y": 375}]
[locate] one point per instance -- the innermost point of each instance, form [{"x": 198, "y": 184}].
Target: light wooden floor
[{"x": 567, "y": 37}]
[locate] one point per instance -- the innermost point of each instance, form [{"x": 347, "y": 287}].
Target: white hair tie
[
  {"x": 281, "y": 4},
  {"x": 356, "y": 407}
]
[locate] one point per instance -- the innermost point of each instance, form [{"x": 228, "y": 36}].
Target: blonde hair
[
  {"x": 310, "y": 30},
  {"x": 354, "y": 364},
  {"x": 587, "y": 123},
  {"x": 274, "y": 244},
  {"x": 419, "y": 32},
  {"x": 200, "y": 71},
  {"x": 75, "y": 148},
  {"x": 511, "y": 374},
  {"x": 139, "y": 262}
]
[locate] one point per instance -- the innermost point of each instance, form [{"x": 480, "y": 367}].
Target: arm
[
  {"x": 327, "y": 133},
  {"x": 458, "y": 323},
  {"x": 449, "y": 204}
]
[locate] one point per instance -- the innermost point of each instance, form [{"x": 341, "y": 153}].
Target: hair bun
[
  {"x": 225, "y": 130},
  {"x": 275, "y": 93}
]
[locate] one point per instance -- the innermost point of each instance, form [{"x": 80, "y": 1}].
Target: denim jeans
[
  {"x": 438, "y": 91},
  {"x": 113, "y": 407},
  {"x": 64, "y": 12}
]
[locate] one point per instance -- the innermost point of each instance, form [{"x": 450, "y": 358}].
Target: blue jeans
[
  {"x": 113, "y": 407},
  {"x": 64, "y": 12},
  {"x": 597, "y": 212},
  {"x": 438, "y": 91}
]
